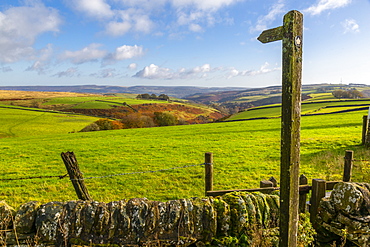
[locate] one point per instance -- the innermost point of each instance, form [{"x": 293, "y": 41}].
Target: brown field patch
[{"x": 23, "y": 95}]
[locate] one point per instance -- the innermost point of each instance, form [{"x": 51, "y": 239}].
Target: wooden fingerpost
[
  {"x": 76, "y": 176},
  {"x": 291, "y": 34},
  {"x": 208, "y": 166},
  {"x": 348, "y": 164}
]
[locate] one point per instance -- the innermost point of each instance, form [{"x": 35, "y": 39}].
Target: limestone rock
[
  {"x": 347, "y": 198},
  {"x": 25, "y": 217},
  {"x": 6, "y": 214},
  {"x": 345, "y": 215},
  {"x": 48, "y": 221}
]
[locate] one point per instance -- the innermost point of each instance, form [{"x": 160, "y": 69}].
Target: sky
[{"x": 206, "y": 43}]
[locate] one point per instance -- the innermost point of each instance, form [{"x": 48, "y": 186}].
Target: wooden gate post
[
  {"x": 75, "y": 175},
  {"x": 365, "y": 123},
  {"x": 303, "y": 194},
  {"x": 318, "y": 192},
  {"x": 291, "y": 34},
  {"x": 208, "y": 162},
  {"x": 348, "y": 164}
]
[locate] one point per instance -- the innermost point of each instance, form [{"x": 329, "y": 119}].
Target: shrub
[
  {"x": 104, "y": 124},
  {"x": 91, "y": 127},
  {"x": 165, "y": 119}
]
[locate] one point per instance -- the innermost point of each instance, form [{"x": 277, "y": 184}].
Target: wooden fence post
[
  {"x": 365, "y": 123},
  {"x": 318, "y": 192},
  {"x": 76, "y": 176},
  {"x": 348, "y": 164},
  {"x": 303, "y": 194},
  {"x": 208, "y": 166},
  {"x": 291, "y": 34}
]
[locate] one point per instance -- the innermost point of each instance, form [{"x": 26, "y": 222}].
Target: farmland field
[
  {"x": 308, "y": 108},
  {"x": 244, "y": 153},
  {"x": 18, "y": 121}
]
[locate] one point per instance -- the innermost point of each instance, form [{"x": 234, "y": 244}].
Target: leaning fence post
[
  {"x": 208, "y": 166},
  {"x": 302, "y": 194},
  {"x": 318, "y": 192},
  {"x": 348, "y": 164},
  {"x": 364, "y": 128},
  {"x": 76, "y": 176}
]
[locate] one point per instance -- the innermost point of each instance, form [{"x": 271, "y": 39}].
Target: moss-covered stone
[{"x": 345, "y": 215}]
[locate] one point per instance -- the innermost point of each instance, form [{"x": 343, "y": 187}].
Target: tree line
[
  {"x": 347, "y": 94},
  {"x": 135, "y": 120},
  {"x": 153, "y": 96}
]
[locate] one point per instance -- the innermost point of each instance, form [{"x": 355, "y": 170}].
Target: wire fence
[{"x": 105, "y": 176}]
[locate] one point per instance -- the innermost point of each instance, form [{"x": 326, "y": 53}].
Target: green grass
[
  {"x": 97, "y": 102},
  {"x": 17, "y": 122},
  {"x": 307, "y": 108},
  {"x": 244, "y": 153}
]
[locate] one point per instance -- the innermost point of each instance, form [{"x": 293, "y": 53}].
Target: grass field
[
  {"x": 244, "y": 153},
  {"x": 18, "y": 121},
  {"x": 313, "y": 107}
]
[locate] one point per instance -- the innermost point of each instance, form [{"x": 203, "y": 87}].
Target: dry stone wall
[
  {"x": 345, "y": 215},
  {"x": 236, "y": 218}
]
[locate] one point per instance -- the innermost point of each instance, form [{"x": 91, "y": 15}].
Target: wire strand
[{"x": 130, "y": 173}]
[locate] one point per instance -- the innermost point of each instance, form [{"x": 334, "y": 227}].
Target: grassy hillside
[
  {"x": 21, "y": 121},
  {"x": 108, "y": 106},
  {"x": 311, "y": 107},
  {"x": 244, "y": 153}
]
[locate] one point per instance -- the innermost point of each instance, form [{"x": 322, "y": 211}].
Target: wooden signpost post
[{"x": 291, "y": 35}]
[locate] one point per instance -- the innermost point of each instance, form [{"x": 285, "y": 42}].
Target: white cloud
[
  {"x": 156, "y": 72},
  {"x": 70, "y": 72},
  {"x": 264, "y": 69},
  {"x": 122, "y": 16},
  {"x": 195, "y": 28},
  {"x": 38, "y": 66},
  {"x": 263, "y": 21},
  {"x": 129, "y": 20},
  {"x": 350, "y": 26},
  {"x": 105, "y": 73},
  {"x": 323, "y": 5},
  {"x": 19, "y": 28},
  {"x": 115, "y": 28},
  {"x": 90, "y": 53},
  {"x": 124, "y": 52},
  {"x": 204, "y": 4},
  {"x": 132, "y": 66},
  {"x": 93, "y": 8}
]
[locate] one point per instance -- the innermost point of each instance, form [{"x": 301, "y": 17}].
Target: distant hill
[
  {"x": 177, "y": 91},
  {"x": 267, "y": 95}
]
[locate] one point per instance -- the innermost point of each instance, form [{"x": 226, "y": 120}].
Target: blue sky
[{"x": 177, "y": 42}]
